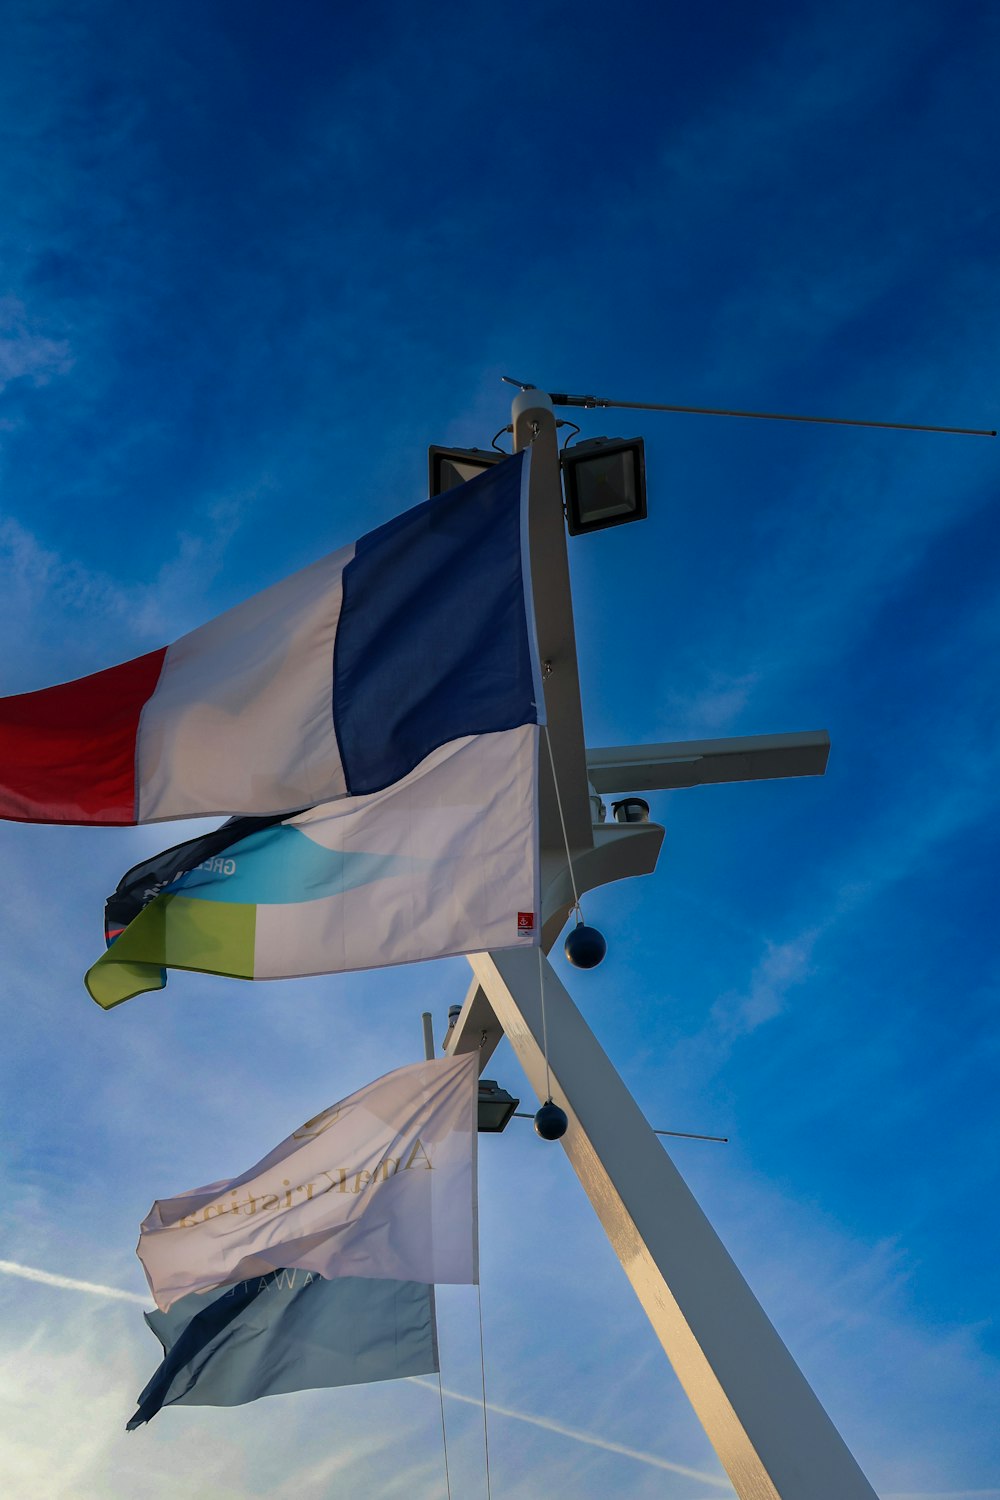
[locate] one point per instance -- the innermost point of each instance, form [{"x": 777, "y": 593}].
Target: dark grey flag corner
[{"x": 288, "y": 1331}]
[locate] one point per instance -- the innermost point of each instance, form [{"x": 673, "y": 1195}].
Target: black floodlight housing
[
  {"x": 605, "y": 483},
  {"x": 448, "y": 467},
  {"x": 496, "y": 1107}
]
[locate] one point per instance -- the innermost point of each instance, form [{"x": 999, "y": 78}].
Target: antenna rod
[
  {"x": 591, "y": 402},
  {"x": 685, "y": 1135}
]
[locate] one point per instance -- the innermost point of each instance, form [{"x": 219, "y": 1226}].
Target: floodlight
[
  {"x": 496, "y": 1107},
  {"x": 448, "y": 467},
  {"x": 605, "y": 483}
]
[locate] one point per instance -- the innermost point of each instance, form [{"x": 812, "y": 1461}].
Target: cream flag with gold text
[{"x": 381, "y": 1185}]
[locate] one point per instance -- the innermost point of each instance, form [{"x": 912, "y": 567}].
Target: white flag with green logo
[{"x": 381, "y": 1185}]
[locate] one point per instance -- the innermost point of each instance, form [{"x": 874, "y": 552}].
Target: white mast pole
[{"x": 770, "y": 1432}]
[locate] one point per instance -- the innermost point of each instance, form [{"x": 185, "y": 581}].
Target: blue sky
[{"x": 255, "y": 259}]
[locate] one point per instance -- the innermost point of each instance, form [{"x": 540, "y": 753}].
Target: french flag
[{"x": 335, "y": 682}]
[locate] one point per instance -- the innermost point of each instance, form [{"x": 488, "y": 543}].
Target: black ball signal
[
  {"x": 585, "y": 946},
  {"x": 551, "y": 1122}
]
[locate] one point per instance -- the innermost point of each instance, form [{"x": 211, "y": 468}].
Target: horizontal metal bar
[{"x": 684, "y": 763}]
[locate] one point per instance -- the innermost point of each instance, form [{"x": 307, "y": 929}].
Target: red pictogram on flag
[{"x": 525, "y": 921}]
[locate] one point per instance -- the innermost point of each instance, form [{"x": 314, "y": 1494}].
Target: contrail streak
[
  {"x": 115, "y": 1294},
  {"x": 69, "y": 1284},
  {"x": 581, "y": 1437}
]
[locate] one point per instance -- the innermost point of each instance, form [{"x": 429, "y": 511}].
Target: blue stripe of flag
[{"x": 433, "y": 638}]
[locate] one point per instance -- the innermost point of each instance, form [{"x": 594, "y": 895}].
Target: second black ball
[{"x": 551, "y": 1122}]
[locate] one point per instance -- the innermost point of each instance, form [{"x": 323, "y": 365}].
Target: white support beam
[
  {"x": 770, "y": 1432},
  {"x": 756, "y": 757}
]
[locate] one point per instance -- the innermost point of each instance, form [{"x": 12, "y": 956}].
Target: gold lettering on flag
[{"x": 337, "y": 1180}]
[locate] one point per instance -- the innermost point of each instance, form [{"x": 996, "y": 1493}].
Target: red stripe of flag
[{"x": 67, "y": 753}]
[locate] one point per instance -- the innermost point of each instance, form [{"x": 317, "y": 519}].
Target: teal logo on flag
[{"x": 282, "y": 865}]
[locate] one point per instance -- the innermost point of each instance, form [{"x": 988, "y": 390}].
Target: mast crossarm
[{"x": 755, "y": 757}]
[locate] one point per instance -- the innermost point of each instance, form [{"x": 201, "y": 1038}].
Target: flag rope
[
  {"x": 562, "y": 820},
  {"x": 482, "y": 1371},
  {"x": 444, "y": 1434},
  {"x": 545, "y": 1032},
  {"x": 576, "y": 907}
]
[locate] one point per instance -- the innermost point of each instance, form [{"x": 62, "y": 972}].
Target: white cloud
[
  {"x": 39, "y": 583},
  {"x": 897, "y": 845},
  {"x": 319, "y": 1474},
  {"x": 576, "y": 1435},
  {"x": 711, "y": 709},
  {"x": 70, "y": 1284},
  {"x": 26, "y": 353},
  {"x": 68, "y": 1383},
  {"x": 782, "y": 967}
]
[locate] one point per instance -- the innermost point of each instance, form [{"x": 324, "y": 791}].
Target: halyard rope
[
  {"x": 562, "y": 820},
  {"x": 444, "y": 1434},
  {"x": 482, "y": 1369}
]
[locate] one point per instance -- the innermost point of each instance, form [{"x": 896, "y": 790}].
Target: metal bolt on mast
[{"x": 770, "y": 1432}]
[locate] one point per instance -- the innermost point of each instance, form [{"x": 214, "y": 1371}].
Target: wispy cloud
[
  {"x": 710, "y": 709},
  {"x": 897, "y": 843},
  {"x": 317, "y": 1477},
  {"x": 324, "y": 1471},
  {"x": 38, "y": 580},
  {"x": 577, "y": 1435},
  {"x": 783, "y": 965},
  {"x": 68, "y": 1383},
  {"x": 942, "y": 1495},
  {"x": 70, "y": 1283},
  {"x": 25, "y": 351}
]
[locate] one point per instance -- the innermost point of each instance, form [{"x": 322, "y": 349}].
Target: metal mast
[{"x": 770, "y": 1432}]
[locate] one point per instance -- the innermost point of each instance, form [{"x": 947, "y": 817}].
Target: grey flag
[{"x": 288, "y": 1331}]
